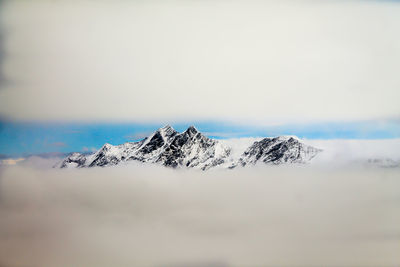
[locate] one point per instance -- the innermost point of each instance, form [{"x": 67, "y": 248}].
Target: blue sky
[
  {"x": 226, "y": 68},
  {"x": 22, "y": 138}
]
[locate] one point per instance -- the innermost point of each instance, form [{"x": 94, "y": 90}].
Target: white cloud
[
  {"x": 151, "y": 216},
  {"x": 336, "y": 152},
  {"x": 11, "y": 161},
  {"x": 243, "y": 60}
]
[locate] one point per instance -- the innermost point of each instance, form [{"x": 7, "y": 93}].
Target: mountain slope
[
  {"x": 165, "y": 146},
  {"x": 194, "y": 150},
  {"x": 191, "y": 149},
  {"x": 278, "y": 150}
]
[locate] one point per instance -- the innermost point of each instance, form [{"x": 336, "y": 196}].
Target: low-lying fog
[{"x": 152, "y": 216}]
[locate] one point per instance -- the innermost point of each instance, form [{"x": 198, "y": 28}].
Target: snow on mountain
[
  {"x": 165, "y": 146},
  {"x": 191, "y": 149},
  {"x": 278, "y": 150},
  {"x": 194, "y": 150}
]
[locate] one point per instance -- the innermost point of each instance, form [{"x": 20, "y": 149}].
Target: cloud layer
[
  {"x": 149, "y": 216},
  {"x": 153, "y": 60}
]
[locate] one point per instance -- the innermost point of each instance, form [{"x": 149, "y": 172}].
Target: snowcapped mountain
[
  {"x": 165, "y": 146},
  {"x": 278, "y": 150},
  {"x": 191, "y": 149}
]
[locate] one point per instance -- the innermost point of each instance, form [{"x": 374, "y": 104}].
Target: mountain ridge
[{"x": 192, "y": 149}]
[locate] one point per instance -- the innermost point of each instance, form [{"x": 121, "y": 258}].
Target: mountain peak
[
  {"x": 191, "y": 149},
  {"x": 287, "y": 138},
  {"x": 167, "y": 130},
  {"x": 191, "y": 130},
  {"x": 167, "y": 127},
  {"x": 106, "y": 146},
  {"x": 278, "y": 150}
]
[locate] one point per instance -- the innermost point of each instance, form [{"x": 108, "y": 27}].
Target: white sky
[{"x": 170, "y": 60}]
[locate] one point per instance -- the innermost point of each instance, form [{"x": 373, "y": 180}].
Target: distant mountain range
[{"x": 192, "y": 149}]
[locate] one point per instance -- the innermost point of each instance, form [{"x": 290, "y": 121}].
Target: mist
[
  {"x": 242, "y": 61},
  {"x": 140, "y": 215}
]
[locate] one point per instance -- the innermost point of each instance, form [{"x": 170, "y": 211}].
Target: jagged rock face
[
  {"x": 278, "y": 150},
  {"x": 191, "y": 149},
  {"x": 74, "y": 160},
  {"x": 111, "y": 155},
  {"x": 165, "y": 146},
  {"x": 152, "y": 146}
]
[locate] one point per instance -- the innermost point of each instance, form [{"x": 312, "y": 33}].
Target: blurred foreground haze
[{"x": 141, "y": 215}]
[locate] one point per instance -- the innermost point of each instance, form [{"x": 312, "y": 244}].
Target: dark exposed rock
[
  {"x": 278, "y": 150},
  {"x": 191, "y": 149}
]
